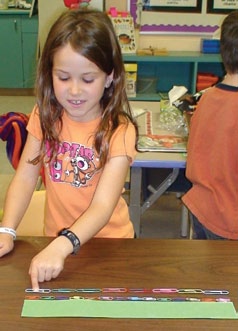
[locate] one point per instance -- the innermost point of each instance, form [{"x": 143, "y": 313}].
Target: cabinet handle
[{"x": 15, "y": 24}]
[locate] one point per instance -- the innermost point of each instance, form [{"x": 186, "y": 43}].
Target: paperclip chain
[
  {"x": 130, "y": 298},
  {"x": 129, "y": 290}
]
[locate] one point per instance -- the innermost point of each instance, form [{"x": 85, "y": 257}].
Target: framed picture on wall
[
  {"x": 222, "y": 6},
  {"x": 189, "y": 6}
]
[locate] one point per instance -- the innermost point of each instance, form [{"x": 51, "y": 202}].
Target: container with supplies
[
  {"x": 131, "y": 78},
  {"x": 124, "y": 27},
  {"x": 4, "y": 4}
]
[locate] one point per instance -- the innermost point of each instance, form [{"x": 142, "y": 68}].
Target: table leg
[
  {"x": 135, "y": 208},
  {"x": 135, "y": 198},
  {"x": 157, "y": 192}
]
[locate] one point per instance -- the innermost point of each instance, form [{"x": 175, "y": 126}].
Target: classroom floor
[{"x": 162, "y": 220}]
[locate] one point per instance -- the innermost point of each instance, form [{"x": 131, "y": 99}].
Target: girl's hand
[
  {"x": 6, "y": 244},
  {"x": 50, "y": 261}
]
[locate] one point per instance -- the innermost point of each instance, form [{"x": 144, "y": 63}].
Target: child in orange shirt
[
  {"x": 212, "y": 163},
  {"x": 83, "y": 133}
]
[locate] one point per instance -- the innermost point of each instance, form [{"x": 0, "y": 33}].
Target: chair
[
  {"x": 13, "y": 131},
  {"x": 32, "y": 223}
]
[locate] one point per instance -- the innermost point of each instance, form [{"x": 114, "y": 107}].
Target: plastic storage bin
[{"x": 146, "y": 84}]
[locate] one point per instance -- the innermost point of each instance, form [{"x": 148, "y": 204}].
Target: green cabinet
[
  {"x": 18, "y": 52},
  {"x": 174, "y": 69}
]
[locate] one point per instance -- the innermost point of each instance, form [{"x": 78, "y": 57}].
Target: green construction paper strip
[{"x": 128, "y": 309}]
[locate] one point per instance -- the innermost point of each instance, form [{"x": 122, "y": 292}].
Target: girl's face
[{"x": 78, "y": 84}]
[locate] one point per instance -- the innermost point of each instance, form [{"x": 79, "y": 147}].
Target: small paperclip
[
  {"x": 216, "y": 292},
  {"x": 47, "y": 297},
  {"x": 190, "y": 291},
  {"x": 32, "y": 297},
  {"x": 149, "y": 299},
  {"x": 179, "y": 299},
  {"x": 208, "y": 300},
  {"x": 106, "y": 298},
  {"x": 40, "y": 290},
  {"x": 223, "y": 300},
  {"x": 193, "y": 299},
  {"x": 114, "y": 290},
  {"x": 164, "y": 290},
  {"x": 61, "y": 297},
  {"x": 163, "y": 299}
]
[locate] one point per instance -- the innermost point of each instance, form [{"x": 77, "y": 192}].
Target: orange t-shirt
[
  {"x": 212, "y": 162},
  {"x": 72, "y": 180}
]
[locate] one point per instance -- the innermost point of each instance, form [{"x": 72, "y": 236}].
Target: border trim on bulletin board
[{"x": 167, "y": 21}]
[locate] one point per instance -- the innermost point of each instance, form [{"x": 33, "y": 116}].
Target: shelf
[
  {"x": 146, "y": 97},
  {"x": 174, "y": 69},
  {"x": 174, "y": 57},
  {"x": 15, "y": 12}
]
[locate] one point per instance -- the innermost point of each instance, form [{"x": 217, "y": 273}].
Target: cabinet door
[
  {"x": 11, "y": 73},
  {"x": 29, "y": 50}
]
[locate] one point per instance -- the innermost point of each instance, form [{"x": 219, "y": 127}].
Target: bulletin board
[{"x": 180, "y": 16}]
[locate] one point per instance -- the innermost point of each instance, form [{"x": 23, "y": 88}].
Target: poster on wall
[
  {"x": 202, "y": 17},
  {"x": 221, "y": 6},
  {"x": 188, "y": 6}
]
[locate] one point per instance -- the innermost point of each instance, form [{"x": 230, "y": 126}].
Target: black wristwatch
[{"x": 73, "y": 238}]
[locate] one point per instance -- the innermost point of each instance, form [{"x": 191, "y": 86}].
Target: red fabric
[
  {"x": 71, "y": 3},
  {"x": 13, "y": 131}
]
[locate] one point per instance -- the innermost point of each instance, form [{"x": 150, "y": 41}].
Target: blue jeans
[{"x": 201, "y": 232}]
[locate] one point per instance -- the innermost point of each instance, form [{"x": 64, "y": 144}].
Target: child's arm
[
  {"x": 49, "y": 262},
  {"x": 20, "y": 192}
]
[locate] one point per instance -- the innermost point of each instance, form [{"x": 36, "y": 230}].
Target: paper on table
[
  {"x": 153, "y": 138},
  {"x": 126, "y": 309},
  {"x": 176, "y": 92},
  {"x": 138, "y": 111}
]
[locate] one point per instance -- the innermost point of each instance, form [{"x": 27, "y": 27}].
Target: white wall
[
  {"x": 49, "y": 10},
  {"x": 170, "y": 42}
]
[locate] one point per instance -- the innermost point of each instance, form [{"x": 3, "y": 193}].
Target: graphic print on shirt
[{"x": 74, "y": 165}]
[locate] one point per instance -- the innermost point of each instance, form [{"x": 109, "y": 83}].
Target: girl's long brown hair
[{"x": 91, "y": 34}]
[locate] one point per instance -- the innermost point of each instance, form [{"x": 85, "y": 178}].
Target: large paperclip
[
  {"x": 190, "y": 291},
  {"x": 88, "y": 290},
  {"x": 114, "y": 290},
  {"x": 40, "y": 290},
  {"x": 139, "y": 290},
  {"x": 216, "y": 292},
  {"x": 63, "y": 290},
  {"x": 165, "y": 290}
]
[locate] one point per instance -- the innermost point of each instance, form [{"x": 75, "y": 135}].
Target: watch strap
[{"x": 73, "y": 239}]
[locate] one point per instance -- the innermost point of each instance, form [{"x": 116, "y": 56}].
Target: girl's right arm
[{"x": 20, "y": 192}]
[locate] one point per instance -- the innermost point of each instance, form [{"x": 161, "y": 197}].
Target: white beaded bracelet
[{"x": 8, "y": 231}]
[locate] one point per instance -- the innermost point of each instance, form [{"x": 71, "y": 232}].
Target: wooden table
[{"x": 128, "y": 263}]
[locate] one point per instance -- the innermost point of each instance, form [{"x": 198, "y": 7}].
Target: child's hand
[
  {"x": 6, "y": 244},
  {"x": 49, "y": 262}
]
